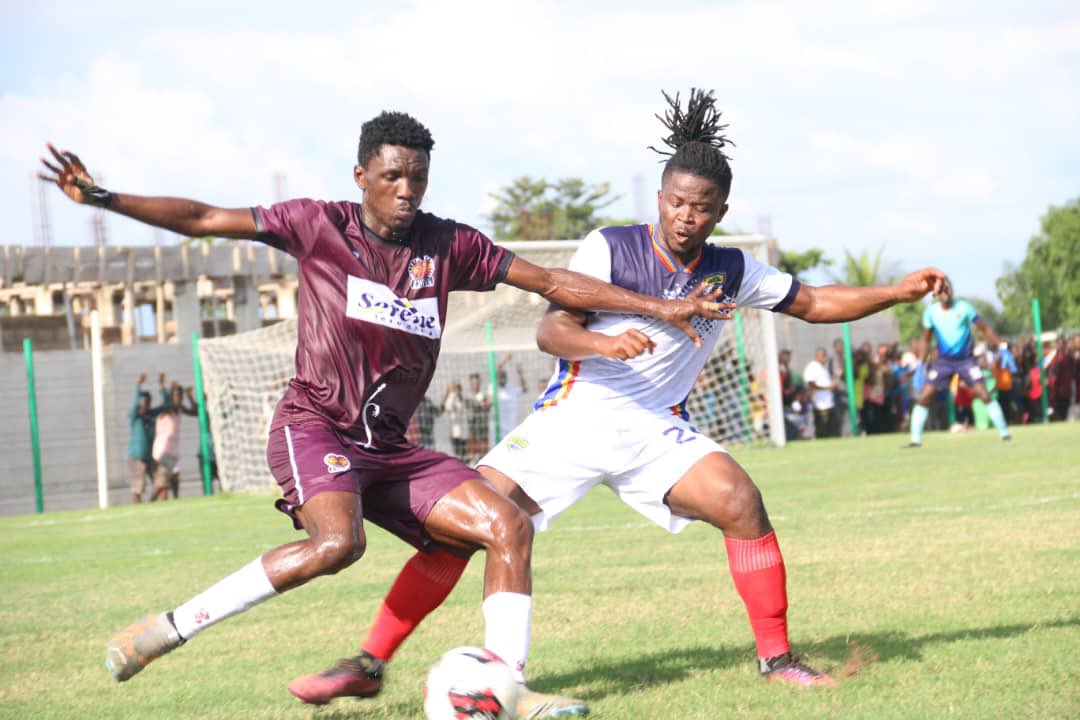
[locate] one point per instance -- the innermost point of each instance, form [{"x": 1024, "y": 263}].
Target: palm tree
[{"x": 862, "y": 271}]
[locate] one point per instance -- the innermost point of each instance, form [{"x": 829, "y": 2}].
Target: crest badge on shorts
[
  {"x": 516, "y": 442},
  {"x": 336, "y": 463},
  {"x": 422, "y": 272}
]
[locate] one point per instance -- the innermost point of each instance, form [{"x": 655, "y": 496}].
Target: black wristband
[{"x": 98, "y": 195}]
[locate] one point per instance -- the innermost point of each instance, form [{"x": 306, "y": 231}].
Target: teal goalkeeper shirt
[{"x": 952, "y": 327}]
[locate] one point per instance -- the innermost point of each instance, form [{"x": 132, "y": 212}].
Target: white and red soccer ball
[{"x": 470, "y": 683}]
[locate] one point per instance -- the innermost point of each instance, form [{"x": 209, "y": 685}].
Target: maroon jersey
[{"x": 370, "y": 312}]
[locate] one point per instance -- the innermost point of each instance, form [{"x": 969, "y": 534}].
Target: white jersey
[{"x": 630, "y": 257}]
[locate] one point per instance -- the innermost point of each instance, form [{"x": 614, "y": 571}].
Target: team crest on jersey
[
  {"x": 336, "y": 463},
  {"x": 516, "y": 442},
  {"x": 422, "y": 272},
  {"x": 714, "y": 279}
]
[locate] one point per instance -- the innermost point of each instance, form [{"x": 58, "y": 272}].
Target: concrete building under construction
[{"x": 146, "y": 294}]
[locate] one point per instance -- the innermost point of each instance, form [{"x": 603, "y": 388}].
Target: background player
[
  {"x": 374, "y": 280},
  {"x": 950, "y": 321},
  {"x": 621, "y": 385}
]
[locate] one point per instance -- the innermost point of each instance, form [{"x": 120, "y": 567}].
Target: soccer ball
[{"x": 470, "y": 682}]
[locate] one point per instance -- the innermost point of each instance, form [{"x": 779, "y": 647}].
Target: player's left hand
[
  {"x": 705, "y": 301},
  {"x": 914, "y": 286}
]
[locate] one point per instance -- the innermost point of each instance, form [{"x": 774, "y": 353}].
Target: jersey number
[{"x": 679, "y": 434}]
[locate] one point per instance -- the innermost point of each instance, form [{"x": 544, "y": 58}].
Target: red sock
[
  {"x": 421, "y": 586},
  {"x": 757, "y": 567}
]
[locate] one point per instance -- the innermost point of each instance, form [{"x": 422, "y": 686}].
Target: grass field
[{"x": 937, "y": 583}]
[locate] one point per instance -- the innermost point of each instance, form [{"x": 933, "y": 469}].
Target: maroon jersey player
[{"x": 374, "y": 279}]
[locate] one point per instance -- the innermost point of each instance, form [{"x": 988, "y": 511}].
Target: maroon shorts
[{"x": 397, "y": 489}]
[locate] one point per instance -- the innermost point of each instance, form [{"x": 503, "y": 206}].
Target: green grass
[{"x": 942, "y": 582}]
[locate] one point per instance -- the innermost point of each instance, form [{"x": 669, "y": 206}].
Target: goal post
[{"x": 736, "y": 399}]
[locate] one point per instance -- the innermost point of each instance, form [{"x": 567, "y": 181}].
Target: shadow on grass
[
  {"x": 840, "y": 654},
  {"x": 643, "y": 671},
  {"x": 619, "y": 677},
  {"x": 887, "y": 646}
]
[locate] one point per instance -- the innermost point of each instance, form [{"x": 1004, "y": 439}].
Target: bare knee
[
  {"x": 722, "y": 494},
  {"x": 334, "y": 553},
  {"x": 739, "y": 501},
  {"x": 510, "y": 530}
]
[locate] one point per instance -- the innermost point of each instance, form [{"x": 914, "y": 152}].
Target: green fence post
[
  {"x": 489, "y": 337},
  {"x": 35, "y": 445},
  {"x": 204, "y": 423},
  {"x": 849, "y": 380},
  {"x": 1036, "y": 318}
]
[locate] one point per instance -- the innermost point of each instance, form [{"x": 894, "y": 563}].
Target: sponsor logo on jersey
[
  {"x": 373, "y": 302},
  {"x": 516, "y": 442},
  {"x": 336, "y": 463},
  {"x": 422, "y": 272}
]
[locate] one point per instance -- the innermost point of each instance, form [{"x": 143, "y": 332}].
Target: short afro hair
[
  {"x": 392, "y": 128},
  {"x": 695, "y": 139}
]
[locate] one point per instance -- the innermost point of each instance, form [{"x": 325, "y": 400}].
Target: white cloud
[{"x": 926, "y": 107}]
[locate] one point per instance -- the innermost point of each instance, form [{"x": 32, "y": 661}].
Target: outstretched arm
[
  {"x": 562, "y": 333},
  {"x": 187, "y": 217},
  {"x": 988, "y": 332},
  {"x": 575, "y": 291},
  {"x": 840, "y": 303}
]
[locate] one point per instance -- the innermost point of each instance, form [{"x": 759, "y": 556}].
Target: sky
[{"x": 937, "y": 133}]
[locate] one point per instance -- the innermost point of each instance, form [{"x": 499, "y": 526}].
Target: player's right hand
[
  {"x": 70, "y": 175},
  {"x": 705, "y": 301},
  {"x": 626, "y": 345}
]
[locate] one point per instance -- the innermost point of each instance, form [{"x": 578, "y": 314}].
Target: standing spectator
[
  {"x": 788, "y": 393},
  {"x": 508, "y": 396},
  {"x": 837, "y": 370},
  {"x": 1074, "y": 350},
  {"x": 425, "y": 415},
  {"x": 142, "y": 418},
  {"x": 1033, "y": 395},
  {"x": 903, "y": 368},
  {"x": 875, "y": 409},
  {"x": 477, "y": 409},
  {"x": 454, "y": 407},
  {"x": 962, "y": 400},
  {"x": 1061, "y": 371},
  {"x": 166, "y": 446},
  {"x": 800, "y": 416},
  {"x": 1005, "y": 371},
  {"x": 820, "y": 386},
  {"x": 860, "y": 360}
]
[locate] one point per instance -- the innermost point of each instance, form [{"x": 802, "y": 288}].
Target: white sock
[
  {"x": 507, "y": 621},
  {"x": 918, "y": 420},
  {"x": 244, "y": 589},
  {"x": 993, "y": 409}
]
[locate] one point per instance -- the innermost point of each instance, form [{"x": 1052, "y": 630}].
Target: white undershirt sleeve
[
  {"x": 763, "y": 286},
  {"x": 593, "y": 257}
]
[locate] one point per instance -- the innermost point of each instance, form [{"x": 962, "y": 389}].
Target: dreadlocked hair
[
  {"x": 392, "y": 128},
  {"x": 696, "y": 139}
]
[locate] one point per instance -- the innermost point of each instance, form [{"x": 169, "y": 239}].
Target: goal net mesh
[{"x": 246, "y": 374}]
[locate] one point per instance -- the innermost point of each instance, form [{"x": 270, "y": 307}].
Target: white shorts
[{"x": 558, "y": 454}]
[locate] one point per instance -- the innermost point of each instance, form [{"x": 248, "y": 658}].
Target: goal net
[{"x": 489, "y": 374}]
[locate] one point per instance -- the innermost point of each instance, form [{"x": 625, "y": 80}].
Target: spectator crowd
[{"x": 886, "y": 378}]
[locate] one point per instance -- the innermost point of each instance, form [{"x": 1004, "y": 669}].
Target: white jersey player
[
  {"x": 614, "y": 412},
  {"x": 635, "y": 408}
]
